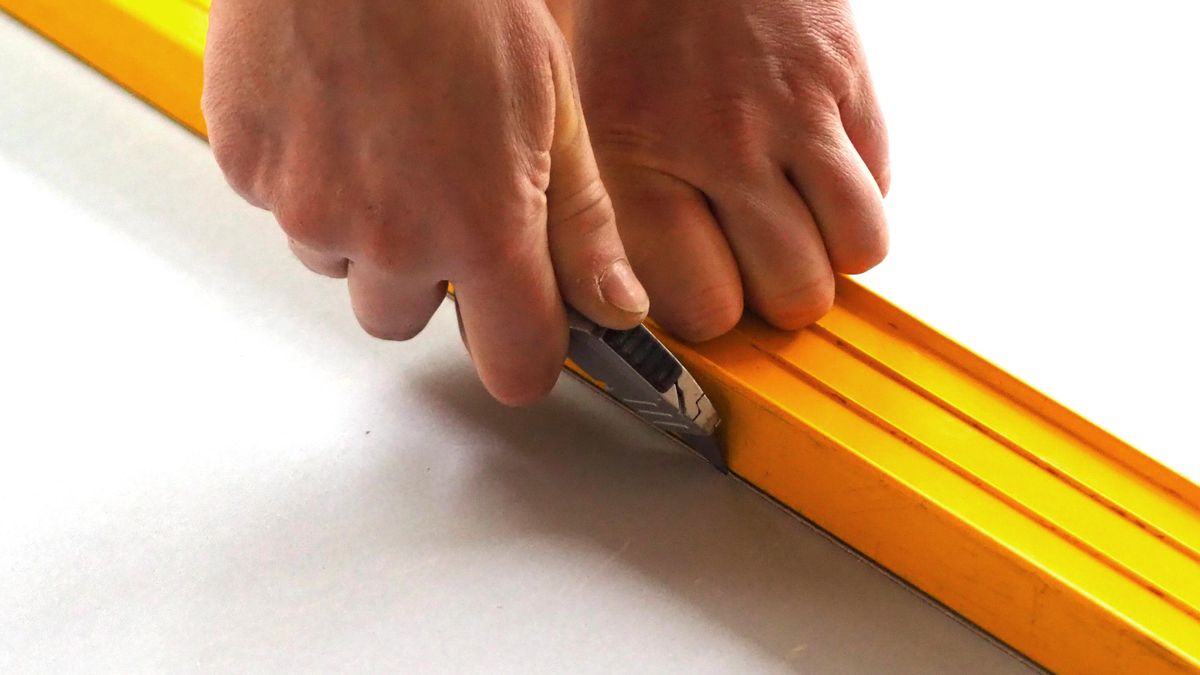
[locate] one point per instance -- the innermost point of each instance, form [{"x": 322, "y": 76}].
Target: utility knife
[{"x": 639, "y": 373}]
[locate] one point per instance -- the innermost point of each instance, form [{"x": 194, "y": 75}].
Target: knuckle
[
  {"x": 829, "y": 66},
  {"x": 862, "y": 253},
  {"x": 882, "y": 170},
  {"x": 383, "y": 247},
  {"x": 740, "y": 125},
  {"x": 512, "y": 253},
  {"x": 499, "y": 257},
  {"x": 800, "y": 306},
  {"x": 586, "y": 210},
  {"x": 707, "y": 313},
  {"x": 512, "y": 197},
  {"x": 238, "y": 158},
  {"x": 522, "y": 391},
  {"x": 235, "y": 135},
  {"x": 527, "y": 204},
  {"x": 867, "y": 130},
  {"x": 846, "y": 187},
  {"x": 213, "y": 98},
  {"x": 618, "y": 142},
  {"x": 514, "y": 237},
  {"x": 303, "y": 216},
  {"x": 314, "y": 262},
  {"x": 393, "y": 331},
  {"x": 835, "y": 39}
]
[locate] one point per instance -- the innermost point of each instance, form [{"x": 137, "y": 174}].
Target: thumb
[{"x": 593, "y": 273}]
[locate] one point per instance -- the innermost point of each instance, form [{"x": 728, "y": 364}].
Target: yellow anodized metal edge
[{"x": 1054, "y": 536}]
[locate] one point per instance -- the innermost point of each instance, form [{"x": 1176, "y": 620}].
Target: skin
[
  {"x": 404, "y": 145},
  {"x": 743, "y": 148}
]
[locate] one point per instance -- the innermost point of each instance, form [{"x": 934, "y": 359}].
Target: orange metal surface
[
  {"x": 154, "y": 48},
  {"x": 966, "y": 483}
]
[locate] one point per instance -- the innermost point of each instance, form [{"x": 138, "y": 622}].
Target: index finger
[{"x": 513, "y": 319}]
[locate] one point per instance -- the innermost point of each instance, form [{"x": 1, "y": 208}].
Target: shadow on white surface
[{"x": 751, "y": 569}]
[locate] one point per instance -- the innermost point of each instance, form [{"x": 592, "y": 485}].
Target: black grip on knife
[{"x": 646, "y": 355}]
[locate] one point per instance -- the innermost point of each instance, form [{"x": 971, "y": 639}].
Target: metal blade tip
[{"x": 708, "y": 447}]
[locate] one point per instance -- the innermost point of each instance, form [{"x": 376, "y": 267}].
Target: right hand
[{"x": 402, "y": 145}]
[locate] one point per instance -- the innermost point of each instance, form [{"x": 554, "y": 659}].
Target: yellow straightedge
[
  {"x": 1057, "y": 538},
  {"x": 152, "y": 47}
]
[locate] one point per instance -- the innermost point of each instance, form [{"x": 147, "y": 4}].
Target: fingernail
[{"x": 621, "y": 289}]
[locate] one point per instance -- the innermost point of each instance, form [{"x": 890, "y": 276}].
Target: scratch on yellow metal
[{"x": 1059, "y": 539}]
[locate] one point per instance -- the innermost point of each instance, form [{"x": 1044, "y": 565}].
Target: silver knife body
[{"x": 643, "y": 376}]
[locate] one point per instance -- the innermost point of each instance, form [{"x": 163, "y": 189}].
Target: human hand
[
  {"x": 402, "y": 145},
  {"x": 743, "y": 148}
]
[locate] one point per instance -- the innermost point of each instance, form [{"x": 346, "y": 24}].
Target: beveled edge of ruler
[
  {"x": 869, "y": 303},
  {"x": 847, "y": 462},
  {"x": 909, "y": 477}
]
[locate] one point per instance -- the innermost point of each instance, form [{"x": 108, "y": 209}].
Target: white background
[
  {"x": 1045, "y": 197},
  {"x": 204, "y": 464}
]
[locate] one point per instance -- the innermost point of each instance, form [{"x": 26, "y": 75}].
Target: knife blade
[{"x": 640, "y": 374}]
